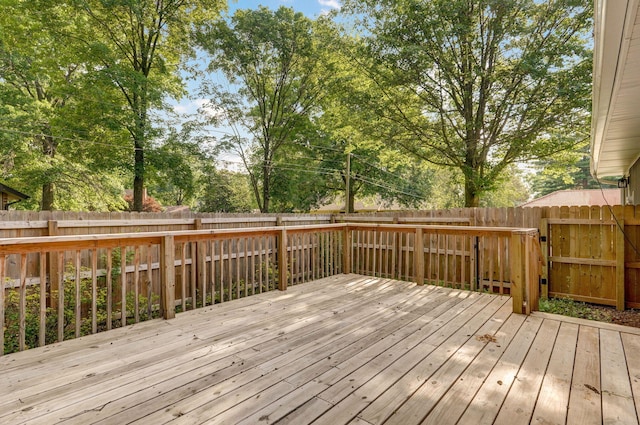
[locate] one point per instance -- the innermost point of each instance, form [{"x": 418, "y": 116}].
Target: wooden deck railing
[
  {"x": 493, "y": 259},
  {"x": 58, "y": 288}
]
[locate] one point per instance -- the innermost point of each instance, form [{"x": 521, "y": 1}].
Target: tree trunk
[
  {"x": 138, "y": 179},
  {"x": 471, "y": 193},
  {"x": 48, "y": 190},
  {"x": 265, "y": 195},
  {"x": 140, "y": 109},
  {"x": 49, "y": 147},
  {"x": 352, "y": 202},
  {"x": 266, "y": 176}
]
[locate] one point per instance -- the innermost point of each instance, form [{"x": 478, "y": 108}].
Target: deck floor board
[{"x": 347, "y": 349}]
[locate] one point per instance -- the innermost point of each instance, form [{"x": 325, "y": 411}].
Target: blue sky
[
  {"x": 311, "y": 8},
  {"x": 191, "y": 104}
]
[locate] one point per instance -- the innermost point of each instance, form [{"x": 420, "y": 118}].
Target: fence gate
[{"x": 580, "y": 249}]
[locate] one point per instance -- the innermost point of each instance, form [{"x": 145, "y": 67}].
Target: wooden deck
[{"x": 345, "y": 349}]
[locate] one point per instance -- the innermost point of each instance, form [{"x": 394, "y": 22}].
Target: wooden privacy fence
[
  {"x": 16, "y": 224},
  {"x": 591, "y": 254},
  {"x": 62, "y": 287}
]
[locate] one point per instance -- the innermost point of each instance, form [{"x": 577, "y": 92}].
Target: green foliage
[
  {"x": 568, "y": 170},
  {"x": 147, "y": 310},
  {"x": 567, "y": 307},
  {"x": 224, "y": 191},
  {"x": 50, "y": 144},
  {"x": 273, "y": 66},
  {"x": 474, "y": 85}
]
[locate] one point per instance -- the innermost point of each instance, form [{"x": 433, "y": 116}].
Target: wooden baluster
[
  {"x": 94, "y": 291},
  {"x": 22, "y": 308},
  {"x": 109, "y": 289},
  {"x": 136, "y": 284},
  {"x": 3, "y": 262},
  {"x": 168, "y": 277},
  {"x": 123, "y": 286}
]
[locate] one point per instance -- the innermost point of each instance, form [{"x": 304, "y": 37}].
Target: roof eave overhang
[{"x": 613, "y": 28}]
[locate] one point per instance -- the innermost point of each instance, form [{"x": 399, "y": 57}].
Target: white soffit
[{"x": 615, "y": 126}]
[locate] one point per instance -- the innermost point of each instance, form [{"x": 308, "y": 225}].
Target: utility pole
[{"x": 347, "y": 189}]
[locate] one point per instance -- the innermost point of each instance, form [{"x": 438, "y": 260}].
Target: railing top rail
[
  {"x": 72, "y": 242},
  {"x": 458, "y": 230},
  {"x": 42, "y": 224},
  {"x": 366, "y": 219},
  {"x": 56, "y": 243}
]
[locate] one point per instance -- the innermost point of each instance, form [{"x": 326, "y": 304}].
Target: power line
[
  {"x": 25, "y": 133},
  {"x": 413, "y": 195}
]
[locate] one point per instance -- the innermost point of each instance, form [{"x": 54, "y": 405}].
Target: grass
[{"x": 567, "y": 307}]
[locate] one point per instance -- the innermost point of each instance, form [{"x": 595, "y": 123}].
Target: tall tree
[
  {"x": 271, "y": 60},
  {"x": 49, "y": 135},
  {"x": 476, "y": 84},
  {"x": 140, "y": 45}
]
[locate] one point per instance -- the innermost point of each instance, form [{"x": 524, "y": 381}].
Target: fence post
[
  {"x": 544, "y": 247},
  {"x": 620, "y": 254},
  {"x": 418, "y": 257},
  {"x": 347, "y": 243},
  {"x": 168, "y": 277},
  {"x": 282, "y": 260}
]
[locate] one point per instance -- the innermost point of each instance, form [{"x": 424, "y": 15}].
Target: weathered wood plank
[
  {"x": 416, "y": 408},
  {"x": 617, "y": 399},
  {"x": 521, "y": 399},
  {"x": 453, "y": 404},
  {"x": 419, "y": 354},
  {"x": 485, "y": 405},
  {"x": 553, "y": 400},
  {"x": 585, "y": 404}
]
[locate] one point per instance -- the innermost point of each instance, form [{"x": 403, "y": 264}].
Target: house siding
[{"x": 632, "y": 192}]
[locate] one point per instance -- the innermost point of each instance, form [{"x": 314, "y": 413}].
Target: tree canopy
[
  {"x": 477, "y": 85},
  {"x": 438, "y": 103}
]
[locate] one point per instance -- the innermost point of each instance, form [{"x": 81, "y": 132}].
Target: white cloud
[
  {"x": 181, "y": 109},
  {"x": 205, "y": 107},
  {"x": 334, "y": 4}
]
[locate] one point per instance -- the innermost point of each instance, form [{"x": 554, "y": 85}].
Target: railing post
[
  {"x": 418, "y": 257},
  {"x": 168, "y": 277},
  {"x": 533, "y": 268},
  {"x": 518, "y": 275},
  {"x": 282, "y": 260},
  {"x": 524, "y": 271},
  {"x": 346, "y": 250}
]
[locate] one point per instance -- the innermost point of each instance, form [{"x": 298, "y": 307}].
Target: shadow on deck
[{"x": 344, "y": 349}]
